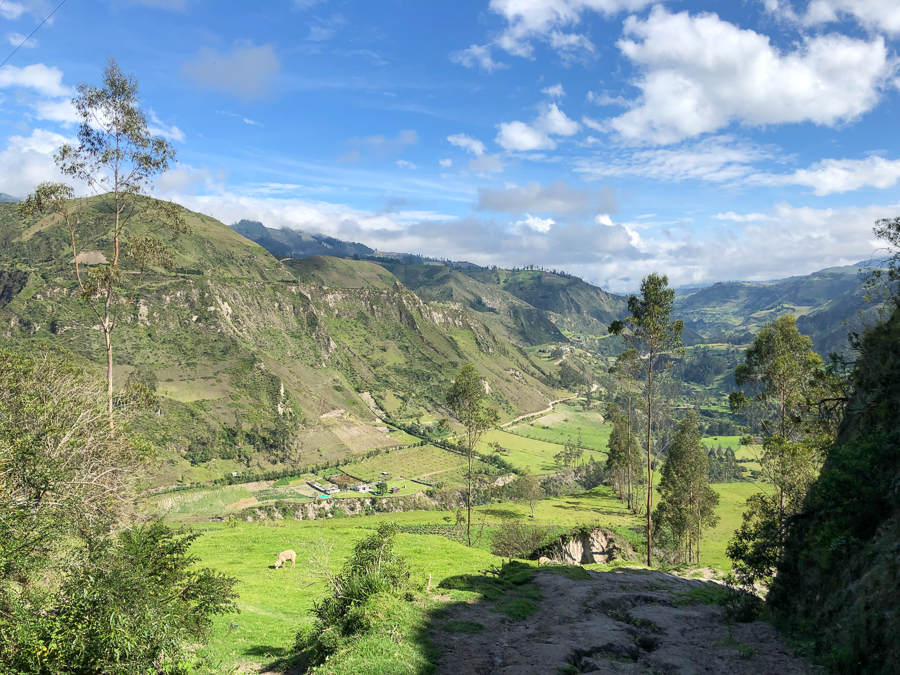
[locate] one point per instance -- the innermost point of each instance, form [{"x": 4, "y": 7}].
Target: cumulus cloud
[
  {"x": 403, "y": 164},
  {"x": 467, "y": 143},
  {"x": 556, "y": 198},
  {"x": 830, "y": 176},
  {"x": 874, "y": 15},
  {"x": 246, "y": 72},
  {"x": 700, "y": 73},
  {"x": 519, "y": 136},
  {"x": 43, "y": 80},
  {"x": 446, "y": 163},
  {"x": 550, "y": 20},
  {"x": 556, "y": 91},
  {"x": 534, "y": 223},
  {"x": 479, "y": 56},
  {"x": 28, "y": 160}
]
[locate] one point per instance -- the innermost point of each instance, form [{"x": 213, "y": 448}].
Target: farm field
[
  {"x": 412, "y": 462},
  {"x": 732, "y": 497},
  {"x": 536, "y": 454},
  {"x": 566, "y": 422}
]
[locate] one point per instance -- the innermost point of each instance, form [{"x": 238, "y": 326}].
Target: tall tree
[
  {"x": 650, "y": 331},
  {"x": 688, "y": 504},
  {"x": 117, "y": 158},
  {"x": 785, "y": 381},
  {"x": 467, "y": 399},
  {"x": 527, "y": 488}
]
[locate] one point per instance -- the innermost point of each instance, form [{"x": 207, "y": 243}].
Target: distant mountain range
[{"x": 8, "y": 198}]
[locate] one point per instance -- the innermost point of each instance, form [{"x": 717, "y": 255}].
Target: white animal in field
[{"x": 283, "y": 557}]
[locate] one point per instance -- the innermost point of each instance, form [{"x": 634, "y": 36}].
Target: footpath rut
[{"x": 623, "y": 621}]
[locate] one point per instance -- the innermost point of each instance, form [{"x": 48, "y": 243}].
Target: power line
[{"x": 31, "y": 33}]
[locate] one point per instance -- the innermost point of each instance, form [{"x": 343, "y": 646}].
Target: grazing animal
[{"x": 283, "y": 557}]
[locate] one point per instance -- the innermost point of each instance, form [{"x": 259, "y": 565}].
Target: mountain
[
  {"x": 8, "y": 198},
  {"x": 235, "y": 340},
  {"x": 827, "y": 304},
  {"x": 296, "y": 243}
]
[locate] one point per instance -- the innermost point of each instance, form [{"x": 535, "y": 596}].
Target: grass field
[
  {"x": 530, "y": 452},
  {"x": 566, "y": 422},
  {"x": 200, "y": 502},
  {"x": 276, "y": 603}
]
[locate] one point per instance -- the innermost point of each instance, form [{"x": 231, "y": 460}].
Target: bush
[
  {"x": 515, "y": 539},
  {"x": 373, "y": 571}
]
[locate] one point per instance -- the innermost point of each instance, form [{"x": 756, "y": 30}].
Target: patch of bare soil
[
  {"x": 242, "y": 503},
  {"x": 618, "y": 622}
]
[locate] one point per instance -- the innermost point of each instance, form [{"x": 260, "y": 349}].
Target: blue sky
[{"x": 610, "y": 138}]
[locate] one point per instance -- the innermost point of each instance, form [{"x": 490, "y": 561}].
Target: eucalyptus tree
[
  {"x": 785, "y": 382},
  {"x": 117, "y": 158},
  {"x": 687, "y": 502},
  {"x": 651, "y": 332},
  {"x": 467, "y": 399}
]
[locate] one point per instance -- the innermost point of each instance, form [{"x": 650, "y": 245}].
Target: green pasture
[
  {"x": 536, "y": 454},
  {"x": 565, "y": 423},
  {"x": 732, "y": 497}
]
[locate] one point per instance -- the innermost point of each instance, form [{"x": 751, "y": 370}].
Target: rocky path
[{"x": 627, "y": 621}]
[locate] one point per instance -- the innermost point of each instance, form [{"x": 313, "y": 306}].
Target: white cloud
[
  {"x": 403, "y": 164},
  {"x": 446, "y": 163},
  {"x": 26, "y": 161},
  {"x": 548, "y": 20},
  {"x": 246, "y": 71},
  {"x": 477, "y": 55},
  {"x": 44, "y": 80},
  {"x": 701, "y": 73},
  {"x": 605, "y": 99},
  {"x": 158, "y": 128},
  {"x": 467, "y": 143},
  {"x": 16, "y": 39},
  {"x": 307, "y": 4},
  {"x": 830, "y": 176},
  {"x": 556, "y": 91},
  {"x": 741, "y": 218},
  {"x": 519, "y": 136},
  {"x": 485, "y": 164},
  {"x": 603, "y": 219},
  {"x": 534, "y": 223},
  {"x": 875, "y": 15},
  {"x": 718, "y": 159}
]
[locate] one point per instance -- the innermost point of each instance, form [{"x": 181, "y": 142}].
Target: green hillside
[
  {"x": 235, "y": 338},
  {"x": 822, "y": 301},
  {"x": 510, "y": 316}
]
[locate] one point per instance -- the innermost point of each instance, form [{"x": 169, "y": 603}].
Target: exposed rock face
[{"x": 584, "y": 548}]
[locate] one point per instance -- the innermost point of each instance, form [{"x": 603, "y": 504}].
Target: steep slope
[
  {"x": 822, "y": 301},
  {"x": 235, "y": 340},
  {"x": 296, "y": 243},
  {"x": 509, "y": 316},
  {"x": 839, "y": 581}
]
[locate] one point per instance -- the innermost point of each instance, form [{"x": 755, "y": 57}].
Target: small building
[
  {"x": 235, "y": 474},
  {"x": 332, "y": 489},
  {"x": 363, "y": 488},
  {"x": 395, "y": 490}
]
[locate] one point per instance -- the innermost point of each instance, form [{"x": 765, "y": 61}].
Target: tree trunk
[
  {"x": 649, "y": 461},
  {"x": 469, "y": 498}
]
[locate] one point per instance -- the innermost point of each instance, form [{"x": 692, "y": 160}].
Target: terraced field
[{"x": 414, "y": 462}]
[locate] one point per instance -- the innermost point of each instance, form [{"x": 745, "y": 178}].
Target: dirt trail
[{"x": 625, "y": 621}]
